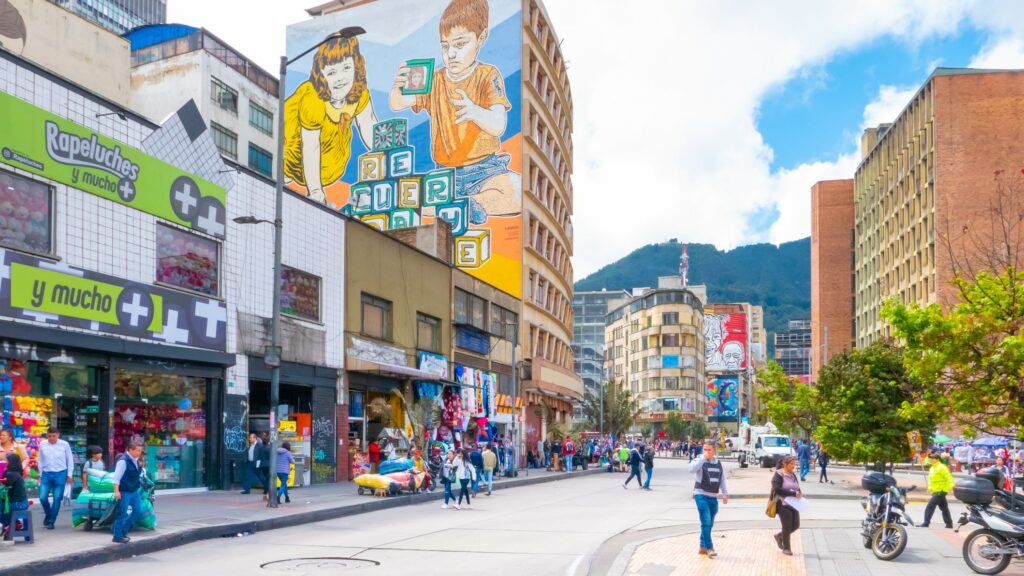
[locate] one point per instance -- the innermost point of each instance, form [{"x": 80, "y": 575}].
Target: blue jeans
[
  {"x": 568, "y": 462},
  {"x": 283, "y": 489},
  {"x": 125, "y": 520},
  {"x": 650, "y": 472},
  {"x": 488, "y": 478},
  {"x": 476, "y": 480},
  {"x": 52, "y": 483},
  {"x": 547, "y": 459},
  {"x": 448, "y": 494},
  {"x": 805, "y": 467},
  {"x": 470, "y": 180},
  {"x": 707, "y": 507}
]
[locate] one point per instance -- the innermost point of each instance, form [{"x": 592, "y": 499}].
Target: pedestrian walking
[
  {"x": 570, "y": 453},
  {"x": 803, "y": 453},
  {"x": 448, "y": 477},
  {"x": 547, "y": 455},
  {"x": 940, "y": 482},
  {"x": 623, "y": 457},
  {"x": 785, "y": 484},
  {"x": 709, "y": 483},
  {"x": 466, "y": 474},
  {"x": 284, "y": 464},
  {"x": 252, "y": 464},
  {"x": 556, "y": 455},
  {"x": 490, "y": 463},
  {"x": 823, "y": 459},
  {"x": 635, "y": 460},
  {"x": 262, "y": 454},
  {"x": 476, "y": 459},
  {"x": 17, "y": 498},
  {"x": 648, "y": 467},
  {"x": 56, "y": 469},
  {"x": 127, "y": 481}
]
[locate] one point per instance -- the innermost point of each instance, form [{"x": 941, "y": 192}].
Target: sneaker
[
  {"x": 123, "y": 540},
  {"x": 787, "y": 552},
  {"x": 711, "y": 553},
  {"x": 778, "y": 540},
  {"x": 922, "y": 525},
  {"x": 457, "y": 507},
  {"x": 703, "y": 552},
  {"x": 624, "y": 487},
  {"x": 444, "y": 506}
]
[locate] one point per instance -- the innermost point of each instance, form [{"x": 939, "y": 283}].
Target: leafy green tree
[
  {"x": 620, "y": 410},
  {"x": 788, "y": 403},
  {"x": 675, "y": 427},
  {"x": 860, "y": 394},
  {"x": 646, "y": 430},
  {"x": 698, "y": 430}
]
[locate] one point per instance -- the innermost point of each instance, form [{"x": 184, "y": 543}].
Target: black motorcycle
[
  {"x": 883, "y": 530},
  {"x": 1000, "y": 540}
]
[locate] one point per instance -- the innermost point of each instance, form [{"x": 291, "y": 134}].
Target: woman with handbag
[
  {"x": 466, "y": 474},
  {"x": 448, "y": 474},
  {"x": 785, "y": 484}
]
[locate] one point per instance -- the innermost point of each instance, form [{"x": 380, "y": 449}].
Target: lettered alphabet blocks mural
[
  {"x": 373, "y": 166},
  {"x": 383, "y": 197},
  {"x": 359, "y": 199},
  {"x": 456, "y": 214},
  {"x": 390, "y": 134},
  {"x": 404, "y": 218},
  {"x": 378, "y": 221},
  {"x": 400, "y": 162},
  {"x": 473, "y": 248},
  {"x": 409, "y": 192},
  {"x": 439, "y": 187}
]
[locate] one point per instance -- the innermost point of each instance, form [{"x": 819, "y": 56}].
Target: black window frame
[
  {"x": 198, "y": 237},
  {"x": 387, "y": 306},
  {"x": 270, "y": 160},
  {"x": 217, "y": 128},
  {"x": 258, "y": 110},
  {"x": 50, "y": 219},
  {"x": 319, "y": 294},
  {"x": 469, "y": 300},
  {"x": 218, "y": 86},
  {"x": 435, "y": 324}
]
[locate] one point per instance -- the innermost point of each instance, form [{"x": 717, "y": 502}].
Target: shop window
[
  {"x": 376, "y": 317},
  {"x": 470, "y": 309},
  {"x": 188, "y": 261},
  {"x": 260, "y": 160},
  {"x": 300, "y": 294},
  {"x": 167, "y": 413},
  {"x": 261, "y": 119},
  {"x": 26, "y": 209},
  {"x": 223, "y": 95},
  {"x": 428, "y": 333},
  {"x": 504, "y": 322}
]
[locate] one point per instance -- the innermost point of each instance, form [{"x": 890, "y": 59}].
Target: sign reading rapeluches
[{"x": 40, "y": 142}]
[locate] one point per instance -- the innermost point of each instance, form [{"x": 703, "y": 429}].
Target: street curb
[{"x": 113, "y": 552}]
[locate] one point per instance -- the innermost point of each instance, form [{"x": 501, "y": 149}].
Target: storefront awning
[{"x": 398, "y": 369}]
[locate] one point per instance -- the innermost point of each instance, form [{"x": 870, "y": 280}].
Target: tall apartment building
[
  {"x": 793, "y": 350},
  {"x": 927, "y": 175},
  {"x": 118, "y": 16},
  {"x": 832, "y": 278},
  {"x": 655, "y": 350},
  {"x": 589, "y": 312},
  {"x": 173, "y": 64}
]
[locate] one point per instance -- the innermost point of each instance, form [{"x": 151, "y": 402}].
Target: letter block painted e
[
  {"x": 409, "y": 193},
  {"x": 400, "y": 162},
  {"x": 473, "y": 248},
  {"x": 439, "y": 187},
  {"x": 373, "y": 166}
]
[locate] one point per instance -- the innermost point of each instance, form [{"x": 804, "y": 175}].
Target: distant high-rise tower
[
  {"x": 118, "y": 16},
  {"x": 684, "y": 267}
]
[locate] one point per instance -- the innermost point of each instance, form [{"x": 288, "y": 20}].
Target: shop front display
[{"x": 167, "y": 413}]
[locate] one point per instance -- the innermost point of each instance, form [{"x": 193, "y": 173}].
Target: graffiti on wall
[
  {"x": 722, "y": 398},
  {"x": 725, "y": 342},
  {"x": 410, "y": 114}
]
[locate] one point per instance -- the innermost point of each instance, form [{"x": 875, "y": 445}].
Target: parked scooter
[
  {"x": 883, "y": 530},
  {"x": 1000, "y": 540}
]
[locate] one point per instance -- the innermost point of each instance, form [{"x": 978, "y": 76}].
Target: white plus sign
[
  {"x": 185, "y": 198},
  {"x": 214, "y": 313},
  {"x": 208, "y": 222},
  {"x": 172, "y": 332},
  {"x": 135, "y": 309},
  {"x": 127, "y": 190}
]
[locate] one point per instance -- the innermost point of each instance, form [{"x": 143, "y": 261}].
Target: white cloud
[
  {"x": 887, "y": 106},
  {"x": 1003, "y": 53},
  {"x": 665, "y": 95}
]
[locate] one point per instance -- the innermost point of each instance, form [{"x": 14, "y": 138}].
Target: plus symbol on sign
[
  {"x": 135, "y": 310},
  {"x": 127, "y": 190},
  {"x": 185, "y": 198}
]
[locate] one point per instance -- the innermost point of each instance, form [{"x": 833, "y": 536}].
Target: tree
[
  {"x": 788, "y": 403},
  {"x": 646, "y": 430},
  {"x": 675, "y": 427},
  {"x": 697, "y": 430},
  {"x": 971, "y": 355},
  {"x": 620, "y": 410},
  {"x": 860, "y": 394}
]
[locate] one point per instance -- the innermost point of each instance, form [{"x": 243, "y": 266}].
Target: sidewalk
[{"x": 187, "y": 518}]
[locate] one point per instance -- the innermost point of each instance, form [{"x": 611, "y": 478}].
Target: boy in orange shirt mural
[{"x": 467, "y": 107}]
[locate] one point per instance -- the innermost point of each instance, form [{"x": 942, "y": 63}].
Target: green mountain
[{"x": 776, "y": 277}]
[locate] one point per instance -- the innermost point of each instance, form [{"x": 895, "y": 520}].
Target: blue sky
[{"x": 816, "y": 115}]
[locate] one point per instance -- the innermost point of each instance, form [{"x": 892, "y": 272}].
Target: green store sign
[{"x": 40, "y": 142}]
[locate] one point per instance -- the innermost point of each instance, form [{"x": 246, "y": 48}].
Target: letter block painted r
[{"x": 439, "y": 187}]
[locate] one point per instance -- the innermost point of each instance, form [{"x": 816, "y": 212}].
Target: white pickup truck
[{"x": 761, "y": 445}]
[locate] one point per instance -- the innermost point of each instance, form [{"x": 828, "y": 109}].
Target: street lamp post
[{"x": 272, "y": 356}]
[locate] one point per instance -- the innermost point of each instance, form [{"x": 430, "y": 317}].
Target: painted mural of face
[
  {"x": 712, "y": 335},
  {"x": 340, "y": 78},
  {"x": 732, "y": 355},
  {"x": 459, "y": 49}
]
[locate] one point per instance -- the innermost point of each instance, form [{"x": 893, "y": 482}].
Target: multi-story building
[
  {"x": 173, "y": 64},
  {"x": 832, "y": 278},
  {"x": 793, "y": 350},
  {"x": 731, "y": 362},
  {"x": 929, "y": 175},
  {"x": 589, "y": 312},
  {"x": 118, "y": 16},
  {"x": 654, "y": 349}
]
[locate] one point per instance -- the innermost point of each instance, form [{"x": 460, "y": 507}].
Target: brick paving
[{"x": 740, "y": 552}]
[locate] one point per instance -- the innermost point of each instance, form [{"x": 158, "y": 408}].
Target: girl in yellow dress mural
[{"x": 319, "y": 117}]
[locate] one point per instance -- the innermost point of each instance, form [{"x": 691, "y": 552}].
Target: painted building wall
[{"x": 389, "y": 146}]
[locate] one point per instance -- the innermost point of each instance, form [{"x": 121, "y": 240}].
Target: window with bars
[
  {"x": 226, "y": 140},
  {"x": 223, "y": 95}
]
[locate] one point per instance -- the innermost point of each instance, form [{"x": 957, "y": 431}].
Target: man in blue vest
[
  {"x": 709, "y": 475},
  {"x": 127, "y": 483}
]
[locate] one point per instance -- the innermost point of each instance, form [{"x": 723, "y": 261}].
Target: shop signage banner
[
  {"x": 55, "y": 293},
  {"x": 472, "y": 340},
  {"x": 40, "y": 142}
]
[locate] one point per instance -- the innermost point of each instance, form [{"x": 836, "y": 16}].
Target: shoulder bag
[{"x": 773, "y": 504}]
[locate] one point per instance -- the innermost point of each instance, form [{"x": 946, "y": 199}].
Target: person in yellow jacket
[{"x": 940, "y": 483}]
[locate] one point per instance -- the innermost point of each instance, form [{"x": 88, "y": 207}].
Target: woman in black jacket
[
  {"x": 784, "y": 484},
  {"x": 16, "y": 495}
]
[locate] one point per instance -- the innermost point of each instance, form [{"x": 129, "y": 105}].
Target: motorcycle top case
[
  {"x": 993, "y": 475},
  {"x": 877, "y": 482},
  {"x": 974, "y": 491}
]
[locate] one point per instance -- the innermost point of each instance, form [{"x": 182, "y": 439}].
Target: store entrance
[{"x": 295, "y": 408}]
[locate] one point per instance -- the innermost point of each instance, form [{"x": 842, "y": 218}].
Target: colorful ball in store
[{"x": 185, "y": 404}]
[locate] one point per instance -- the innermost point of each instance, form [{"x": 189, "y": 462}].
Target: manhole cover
[{"x": 318, "y": 565}]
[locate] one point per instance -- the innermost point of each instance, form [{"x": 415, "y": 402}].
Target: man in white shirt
[{"x": 56, "y": 469}]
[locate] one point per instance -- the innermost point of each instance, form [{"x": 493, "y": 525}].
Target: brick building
[
  {"x": 927, "y": 176},
  {"x": 832, "y": 241}
]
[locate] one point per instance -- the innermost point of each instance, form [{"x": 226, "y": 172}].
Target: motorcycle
[
  {"x": 1000, "y": 540},
  {"x": 883, "y": 529}
]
